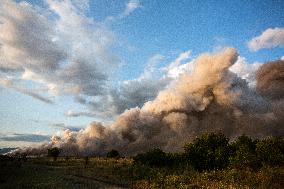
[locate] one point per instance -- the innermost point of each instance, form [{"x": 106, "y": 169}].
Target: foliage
[
  {"x": 176, "y": 160},
  {"x": 213, "y": 151},
  {"x": 270, "y": 151},
  {"x": 247, "y": 163},
  {"x": 113, "y": 154},
  {"x": 153, "y": 158},
  {"x": 243, "y": 153},
  {"x": 209, "y": 151},
  {"x": 122, "y": 173},
  {"x": 53, "y": 152}
]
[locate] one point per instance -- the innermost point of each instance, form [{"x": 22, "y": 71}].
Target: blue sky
[{"x": 135, "y": 31}]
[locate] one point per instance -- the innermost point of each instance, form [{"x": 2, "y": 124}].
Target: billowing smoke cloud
[
  {"x": 271, "y": 79},
  {"x": 210, "y": 98}
]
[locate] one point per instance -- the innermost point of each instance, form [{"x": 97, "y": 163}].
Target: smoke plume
[
  {"x": 271, "y": 79},
  {"x": 210, "y": 98}
]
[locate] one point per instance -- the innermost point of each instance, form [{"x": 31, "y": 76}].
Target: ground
[{"x": 106, "y": 173}]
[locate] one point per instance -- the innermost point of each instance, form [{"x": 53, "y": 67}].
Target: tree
[
  {"x": 243, "y": 153},
  {"x": 176, "y": 159},
  {"x": 53, "y": 152},
  {"x": 86, "y": 161},
  {"x": 209, "y": 151},
  {"x": 270, "y": 151},
  {"x": 113, "y": 154},
  {"x": 154, "y": 158}
]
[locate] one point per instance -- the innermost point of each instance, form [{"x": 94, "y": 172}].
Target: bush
[
  {"x": 270, "y": 151},
  {"x": 176, "y": 159},
  {"x": 209, "y": 151},
  {"x": 213, "y": 151},
  {"x": 53, "y": 152},
  {"x": 153, "y": 158},
  {"x": 113, "y": 154},
  {"x": 243, "y": 153}
]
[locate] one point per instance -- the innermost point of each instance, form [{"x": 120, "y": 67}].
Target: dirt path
[{"x": 99, "y": 183}]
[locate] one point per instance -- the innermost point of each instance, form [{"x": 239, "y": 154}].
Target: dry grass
[{"x": 120, "y": 173}]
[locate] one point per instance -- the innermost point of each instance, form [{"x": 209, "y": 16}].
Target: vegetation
[
  {"x": 210, "y": 151},
  {"x": 113, "y": 154},
  {"x": 155, "y": 157},
  {"x": 244, "y": 153},
  {"x": 270, "y": 151},
  {"x": 53, "y": 152},
  {"x": 210, "y": 161}
]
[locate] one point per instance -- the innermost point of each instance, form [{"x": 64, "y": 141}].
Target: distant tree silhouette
[
  {"x": 113, "y": 154},
  {"x": 53, "y": 152}
]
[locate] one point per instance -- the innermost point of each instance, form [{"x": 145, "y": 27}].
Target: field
[{"x": 121, "y": 173}]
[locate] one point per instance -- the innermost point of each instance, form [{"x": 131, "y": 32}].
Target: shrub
[
  {"x": 176, "y": 159},
  {"x": 209, "y": 151},
  {"x": 53, "y": 152},
  {"x": 270, "y": 151},
  {"x": 243, "y": 153},
  {"x": 113, "y": 154},
  {"x": 153, "y": 158}
]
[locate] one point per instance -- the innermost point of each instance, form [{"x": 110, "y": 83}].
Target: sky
[{"x": 66, "y": 63}]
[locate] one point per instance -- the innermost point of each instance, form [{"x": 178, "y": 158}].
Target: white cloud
[
  {"x": 151, "y": 66},
  {"x": 130, "y": 93},
  {"x": 64, "y": 51},
  {"x": 245, "y": 70},
  {"x": 63, "y": 126},
  {"x": 24, "y": 137},
  {"x": 81, "y": 5},
  {"x": 272, "y": 37},
  {"x": 175, "y": 68},
  {"x": 26, "y": 39},
  {"x": 131, "y": 6},
  {"x": 71, "y": 113},
  {"x": 17, "y": 85}
]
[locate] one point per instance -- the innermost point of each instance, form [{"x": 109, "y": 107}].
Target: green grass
[
  {"x": 121, "y": 173},
  {"x": 44, "y": 173}
]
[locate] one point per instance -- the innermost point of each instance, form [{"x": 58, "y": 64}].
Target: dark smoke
[{"x": 271, "y": 79}]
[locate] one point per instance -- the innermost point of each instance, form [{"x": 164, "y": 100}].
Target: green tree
[
  {"x": 113, "y": 154},
  {"x": 209, "y": 151},
  {"x": 176, "y": 159},
  {"x": 270, "y": 151},
  {"x": 244, "y": 153},
  {"x": 154, "y": 158},
  {"x": 53, "y": 152}
]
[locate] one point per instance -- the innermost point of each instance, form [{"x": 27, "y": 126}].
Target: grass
[{"x": 44, "y": 173}]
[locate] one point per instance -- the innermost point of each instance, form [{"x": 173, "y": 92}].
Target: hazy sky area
[{"x": 66, "y": 63}]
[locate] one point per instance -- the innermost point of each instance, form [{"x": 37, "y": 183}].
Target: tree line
[{"x": 212, "y": 151}]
